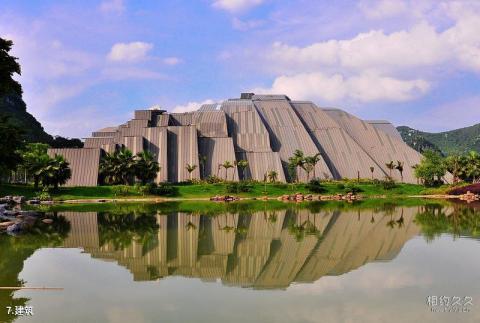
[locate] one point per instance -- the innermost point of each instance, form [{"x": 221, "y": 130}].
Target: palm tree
[
  {"x": 372, "y": 169},
  {"x": 473, "y": 165},
  {"x": 202, "y": 159},
  {"x": 272, "y": 176},
  {"x": 146, "y": 168},
  {"x": 218, "y": 169},
  {"x": 118, "y": 167},
  {"x": 226, "y": 164},
  {"x": 242, "y": 164},
  {"x": 312, "y": 161},
  {"x": 190, "y": 168},
  {"x": 35, "y": 158},
  {"x": 399, "y": 167},
  {"x": 57, "y": 172},
  {"x": 296, "y": 161},
  {"x": 391, "y": 167}
]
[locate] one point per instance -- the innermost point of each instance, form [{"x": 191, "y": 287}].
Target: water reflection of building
[{"x": 263, "y": 250}]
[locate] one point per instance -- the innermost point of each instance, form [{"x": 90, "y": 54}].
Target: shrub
[
  {"x": 239, "y": 187},
  {"x": 212, "y": 179},
  {"x": 44, "y": 195},
  {"x": 121, "y": 190},
  {"x": 142, "y": 189},
  {"x": 340, "y": 186},
  {"x": 315, "y": 186},
  {"x": 352, "y": 188},
  {"x": 388, "y": 183},
  {"x": 163, "y": 189}
]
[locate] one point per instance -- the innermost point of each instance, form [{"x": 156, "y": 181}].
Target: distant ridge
[{"x": 457, "y": 141}]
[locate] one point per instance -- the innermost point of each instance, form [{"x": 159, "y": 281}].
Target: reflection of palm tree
[
  {"x": 190, "y": 225},
  {"x": 228, "y": 228}
]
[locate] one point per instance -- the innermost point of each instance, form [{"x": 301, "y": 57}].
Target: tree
[
  {"x": 372, "y": 170},
  {"x": 190, "y": 169},
  {"x": 473, "y": 165},
  {"x": 399, "y": 167},
  {"x": 453, "y": 164},
  {"x": 295, "y": 162},
  {"x": 242, "y": 165},
  {"x": 35, "y": 158},
  {"x": 11, "y": 141},
  {"x": 431, "y": 168},
  {"x": 118, "y": 167},
  {"x": 8, "y": 67},
  {"x": 145, "y": 167},
  {"x": 57, "y": 172},
  {"x": 226, "y": 164},
  {"x": 312, "y": 162},
  {"x": 272, "y": 176},
  {"x": 391, "y": 166},
  {"x": 202, "y": 159}
]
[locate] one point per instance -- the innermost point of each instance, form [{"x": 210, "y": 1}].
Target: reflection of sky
[{"x": 394, "y": 291}]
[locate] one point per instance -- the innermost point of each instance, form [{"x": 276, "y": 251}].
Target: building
[{"x": 265, "y": 130}]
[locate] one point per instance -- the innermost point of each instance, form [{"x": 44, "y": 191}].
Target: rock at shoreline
[
  {"x": 4, "y": 225},
  {"x": 14, "y": 228},
  {"x": 47, "y": 221}
]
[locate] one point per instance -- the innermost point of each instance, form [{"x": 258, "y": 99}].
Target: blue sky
[{"x": 89, "y": 64}]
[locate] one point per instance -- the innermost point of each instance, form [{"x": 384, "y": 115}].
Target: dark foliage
[
  {"x": 239, "y": 187},
  {"x": 162, "y": 189},
  {"x": 11, "y": 140},
  {"x": 474, "y": 188},
  {"x": 315, "y": 186},
  {"x": 62, "y": 142}
]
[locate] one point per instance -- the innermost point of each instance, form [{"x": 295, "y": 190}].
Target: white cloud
[
  {"x": 129, "y": 52},
  {"x": 421, "y": 46},
  {"x": 172, "y": 60},
  {"x": 375, "y": 65},
  {"x": 333, "y": 88},
  {"x": 236, "y": 6},
  {"x": 383, "y": 9},
  {"x": 115, "y": 6},
  {"x": 191, "y": 106}
]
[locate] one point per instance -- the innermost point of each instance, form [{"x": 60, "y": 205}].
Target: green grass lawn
[{"x": 209, "y": 190}]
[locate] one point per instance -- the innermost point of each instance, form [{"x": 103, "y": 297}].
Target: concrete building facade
[{"x": 265, "y": 130}]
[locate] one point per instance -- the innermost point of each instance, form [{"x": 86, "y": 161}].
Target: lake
[{"x": 248, "y": 262}]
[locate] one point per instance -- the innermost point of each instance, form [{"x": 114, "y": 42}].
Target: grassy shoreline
[{"x": 205, "y": 191}]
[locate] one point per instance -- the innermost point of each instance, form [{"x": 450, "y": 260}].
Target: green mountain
[
  {"x": 13, "y": 106},
  {"x": 458, "y": 141}
]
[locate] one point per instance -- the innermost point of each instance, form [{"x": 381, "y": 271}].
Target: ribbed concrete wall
[
  {"x": 386, "y": 127},
  {"x": 288, "y": 134},
  {"x": 217, "y": 151},
  {"x": 182, "y": 150},
  {"x": 265, "y": 130},
  {"x": 251, "y": 140},
  {"x": 344, "y": 157},
  {"x": 84, "y": 164},
  {"x": 97, "y": 142},
  {"x": 260, "y": 164},
  {"x": 156, "y": 143},
  {"x": 382, "y": 147},
  {"x": 133, "y": 143}
]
